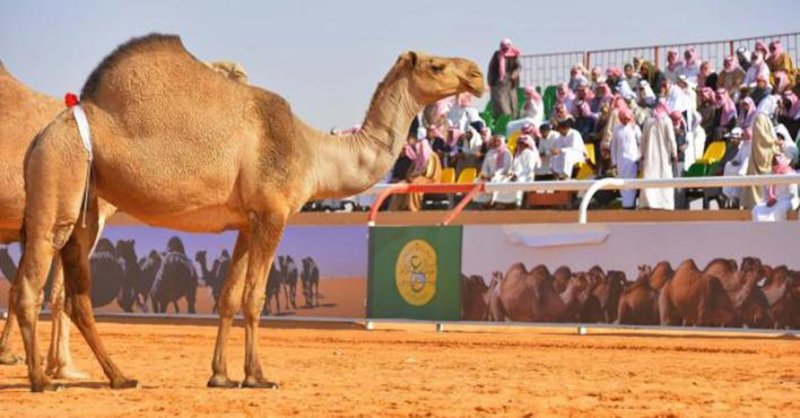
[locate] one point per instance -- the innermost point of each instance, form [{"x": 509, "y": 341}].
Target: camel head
[
  {"x": 200, "y": 257},
  {"x": 175, "y": 244},
  {"x": 104, "y": 245},
  {"x": 126, "y": 250},
  {"x": 433, "y": 78}
]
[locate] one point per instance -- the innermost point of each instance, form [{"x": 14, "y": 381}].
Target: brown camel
[
  {"x": 782, "y": 290},
  {"x": 694, "y": 298},
  {"x": 561, "y": 277},
  {"x": 178, "y": 146},
  {"x": 742, "y": 288},
  {"x": 638, "y": 304},
  {"x": 531, "y": 297},
  {"x": 23, "y": 112},
  {"x": 603, "y": 301},
  {"x": 660, "y": 274},
  {"x": 474, "y": 295}
]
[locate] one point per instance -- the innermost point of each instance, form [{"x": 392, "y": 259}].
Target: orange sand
[{"x": 409, "y": 370}]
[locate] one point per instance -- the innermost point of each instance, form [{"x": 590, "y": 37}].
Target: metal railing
[
  {"x": 588, "y": 186},
  {"x": 552, "y": 68}
]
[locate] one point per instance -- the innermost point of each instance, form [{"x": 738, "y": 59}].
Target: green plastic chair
[
  {"x": 696, "y": 170},
  {"x": 549, "y": 100},
  {"x": 501, "y": 124}
]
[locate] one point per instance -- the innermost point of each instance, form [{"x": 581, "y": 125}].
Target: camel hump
[
  {"x": 3, "y": 70},
  {"x": 148, "y": 44},
  {"x": 230, "y": 70}
]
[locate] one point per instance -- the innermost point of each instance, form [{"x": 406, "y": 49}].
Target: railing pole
[
  {"x": 463, "y": 203},
  {"x": 599, "y": 184},
  {"x": 373, "y": 212}
]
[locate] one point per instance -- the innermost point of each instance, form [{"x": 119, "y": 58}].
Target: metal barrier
[{"x": 553, "y": 68}]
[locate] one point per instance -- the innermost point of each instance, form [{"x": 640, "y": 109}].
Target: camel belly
[{"x": 206, "y": 219}]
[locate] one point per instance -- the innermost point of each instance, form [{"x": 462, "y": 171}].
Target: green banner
[{"x": 414, "y": 273}]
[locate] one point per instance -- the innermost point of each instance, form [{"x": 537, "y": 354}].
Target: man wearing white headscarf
[
  {"x": 546, "y": 143},
  {"x": 523, "y": 169},
  {"x": 737, "y": 166},
  {"x": 625, "y": 154},
  {"x": 659, "y": 155},
  {"x": 784, "y": 141},
  {"x": 780, "y": 198},
  {"x": 496, "y": 166}
]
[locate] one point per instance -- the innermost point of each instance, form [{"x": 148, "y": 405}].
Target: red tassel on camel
[{"x": 71, "y": 99}]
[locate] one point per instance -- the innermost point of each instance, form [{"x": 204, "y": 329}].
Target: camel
[
  {"x": 177, "y": 146},
  {"x": 603, "y": 300},
  {"x": 741, "y": 286},
  {"x": 126, "y": 256},
  {"x": 560, "y": 278},
  {"x": 176, "y": 279},
  {"x": 638, "y": 304},
  {"x": 216, "y": 275},
  {"x": 150, "y": 266},
  {"x": 273, "y": 290},
  {"x": 23, "y": 112},
  {"x": 290, "y": 275},
  {"x": 474, "y": 298},
  {"x": 531, "y": 297},
  {"x": 109, "y": 273},
  {"x": 782, "y": 291},
  {"x": 310, "y": 282},
  {"x": 661, "y": 272}
]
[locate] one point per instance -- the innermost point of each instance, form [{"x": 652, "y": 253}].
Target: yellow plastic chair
[
  {"x": 512, "y": 141},
  {"x": 586, "y": 170},
  {"x": 449, "y": 175},
  {"x": 714, "y": 153},
  {"x": 590, "y": 153},
  {"x": 467, "y": 175}
]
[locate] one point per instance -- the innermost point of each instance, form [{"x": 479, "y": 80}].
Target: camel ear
[{"x": 410, "y": 57}]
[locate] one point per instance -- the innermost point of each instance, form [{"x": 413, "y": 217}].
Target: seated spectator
[
  {"x": 737, "y": 166},
  {"x": 785, "y": 145},
  {"x": 547, "y": 138},
  {"x": 585, "y": 120},
  {"x": 596, "y": 77},
  {"x": 565, "y": 97},
  {"x": 496, "y": 166},
  {"x": 747, "y": 114},
  {"x": 674, "y": 66},
  {"x": 468, "y": 150},
  {"x": 707, "y": 77},
  {"x": 425, "y": 168},
  {"x": 762, "y": 48},
  {"x": 559, "y": 113},
  {"x": 447, "y": 148},
  {"x": 790, "y": 113},
  {"x": 758, "y": 68},
  {"x": 532, "y": 111},
  {"x": 462, "y": 114},
  {"x": 631, "y": 77},
  {"x": 731, "y": 77},
  {"x": 577, "y": 75},
  {"x": 568, "y": 149},
  {"x": 647, "y": 97},
  {"x": 503, "y": 79},
  {"x": 618, "y": 85},
  {"x": 659, "y": 154},
  {"x": 781, "y": 83},
  {"x": 780, "y": 62},
  {"x": 727, "y": 113},
  {"x": 761, "y": 90},
  {"x": 680, "y": 96},
  {"x": 780, "y": 198},
  {"x": 743, "y": 56},
  {"x": 653, "y": 76},
  {"x": 523, "y": 169},
  {"x": 625, "y": 155},
  {"x": 707, "y": 109},
  {"x": 691, "y": 66}
]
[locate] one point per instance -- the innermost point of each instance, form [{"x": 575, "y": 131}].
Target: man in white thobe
[
  {"x": 546, "y": 142},
  {"x": 738, "y": 165},
  {"x": 568, "y": 149},
  {"x": 659, "y": 154},
  {"x": 496, "y": 165},
  {"x": 625, "y": 155}
]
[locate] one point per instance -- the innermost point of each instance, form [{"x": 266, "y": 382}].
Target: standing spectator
[
  {"x": 674, "y": 65},
  {"x": 781, "y": 62},
  {"x": 647, "y": 97},
  {"x": 659, "y": 153},
  {"x": 532, "y": 111},
  {"x": 681, "y": 140},
  {"x": 707, "y": 77},
  {"x": 618, "y": 84},
  {"x": 691, "y": 66},
  {"x": 653, "y": 76},
  {"x": 546, "y": 142},
  {"x": 780, "y": 199},
  {"x": 731, "y": 77},
  {"x": 760, "y": 163},
  {"x": 503, "y": 78},
  {"x": 625, "y": 155},
  {"x": 737, "y": 166},
  {"x": 568, "y": 149}
]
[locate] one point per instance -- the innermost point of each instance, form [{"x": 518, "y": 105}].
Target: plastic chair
[
  {"x": 697, "y": 170},
  {"x": 714, "y": 153},
  {"x": 500, "y": 124},
  {"x": 590, "y": 153},
  {"x": 548, "y": 99},
  {"x": 512, "y": 141},
  {"x": 449, "y": 175},
  {"x": 467, "y": 175}
]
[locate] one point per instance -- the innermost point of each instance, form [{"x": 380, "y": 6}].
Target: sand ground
[{"x": 410, "y": 370}]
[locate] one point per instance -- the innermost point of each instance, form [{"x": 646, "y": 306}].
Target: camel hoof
[
  {"x": 125, "y": 384},
  {"x": 258, "y": 383},
  {"x": 68, "y": 372},
  {"x": 46, "y": 386},
  {"x": 218, "y": 381},
  {"x": 7, "y": 358}
]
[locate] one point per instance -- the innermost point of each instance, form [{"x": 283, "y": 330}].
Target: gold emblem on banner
[{"x": 415, "y": 272}]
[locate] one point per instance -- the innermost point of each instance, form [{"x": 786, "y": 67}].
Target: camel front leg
[
  {"x": 265, "y": 234},
  {"x": 230, "y": 301},
  {"x": 7, "y": 357}
]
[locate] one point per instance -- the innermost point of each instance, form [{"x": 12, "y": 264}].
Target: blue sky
[{"x": 326, "y": 56}]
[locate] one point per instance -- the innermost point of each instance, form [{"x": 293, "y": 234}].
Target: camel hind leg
[
  {"x": 78, "y": 303},
  {"x": 7, "y": 357},
  {"x": 59, "y": 360}
]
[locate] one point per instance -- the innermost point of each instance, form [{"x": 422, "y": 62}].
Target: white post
[{"x": 599, "y": 184}]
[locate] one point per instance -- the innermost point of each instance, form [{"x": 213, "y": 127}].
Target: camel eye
[{"x": 437, "y": 68}]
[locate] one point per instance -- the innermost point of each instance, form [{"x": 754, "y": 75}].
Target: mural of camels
[
  {"x": 150, "y": 267},
  {"x": 273, "y": 291},
  {"x": 108, "y": 273},
  {"x": 176, "y": 279},
  {"x": 126, "y": 256},
  {"x": 310, "y": 282},
  {"x": 214, "y": 277},
  {"x": 197, "y": 152},
  {"x": 289, "y": 275}
]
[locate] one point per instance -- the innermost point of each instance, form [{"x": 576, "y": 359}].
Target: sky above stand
[{"x": 326, "y": 57}]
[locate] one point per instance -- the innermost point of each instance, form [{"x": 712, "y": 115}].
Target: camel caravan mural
[
  {"x": 176, "y": 145},
  {"x": 723, "y": 294}
]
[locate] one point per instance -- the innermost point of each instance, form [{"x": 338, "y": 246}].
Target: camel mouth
[{"x": 475, "y": 86}]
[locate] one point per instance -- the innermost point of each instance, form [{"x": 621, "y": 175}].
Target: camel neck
[{"x": 346, "y": 165}]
